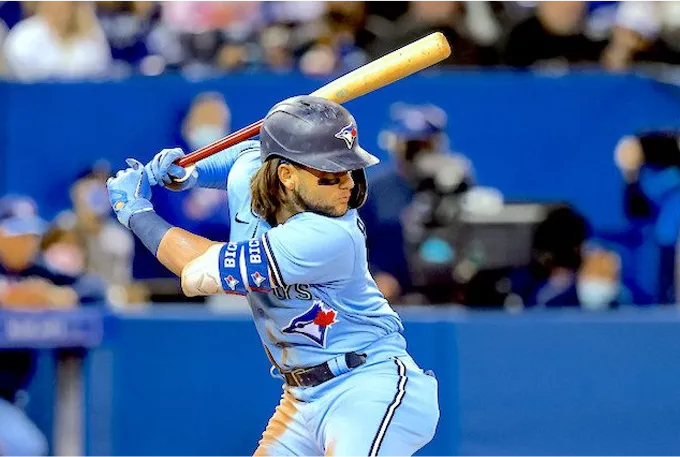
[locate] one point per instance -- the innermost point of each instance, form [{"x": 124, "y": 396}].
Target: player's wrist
[
  {"x": 150, "y": 228},
  {"x": 131, "y": 208}
]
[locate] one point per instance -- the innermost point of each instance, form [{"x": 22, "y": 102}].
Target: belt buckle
[{"x": 295, "y": 374}]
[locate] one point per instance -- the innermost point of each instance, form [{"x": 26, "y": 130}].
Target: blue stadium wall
[{"x": 533, "y": 137}]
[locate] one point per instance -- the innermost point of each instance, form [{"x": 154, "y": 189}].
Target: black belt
[{"x": 318, "y": 374}]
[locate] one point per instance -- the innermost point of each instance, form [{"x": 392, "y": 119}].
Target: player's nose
[{"x": 347, "y": 182}]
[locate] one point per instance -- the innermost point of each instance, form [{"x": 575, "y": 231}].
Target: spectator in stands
[
  {"x": 650, "y": 164},
  {"x": 416, "y": 140},
  {"x": 26, "y": 279},
  {"x": 552, "y": 36},
  {"x": 335, "y": 48},
  {"x": 64, "y": 254},
  {"x": 31, "y": 281},
  {"x": 636, "y": 37},
  {"x": 108, "y": 251},
  {"x": 670, "y": 28},
  {"x": 276, "y": 41},
  {"x": 567, "y": 269},
  {"x": 22, "y": 287},
  {"x": 208, "y": 120},
  {"x": 470, "y": 29},
  {"x": 63, "y": 40},
  {"x": 139, "y": 39}
]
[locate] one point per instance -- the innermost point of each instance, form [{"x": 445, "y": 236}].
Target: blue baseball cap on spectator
[
  {"x": 416, "y": 122},
  {"x": 19, "y": 216}
]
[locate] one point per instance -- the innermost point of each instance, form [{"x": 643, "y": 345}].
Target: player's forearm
[
  {"x": 179, "y": 247},
  {"x": 172, "y": 246}
]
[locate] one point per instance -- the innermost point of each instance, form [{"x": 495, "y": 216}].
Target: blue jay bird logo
[
  {"x": 231, "y": 282},
  {"x": 348, "y": 134},
  {"x": 313, "y": 323},
  {"x": 258, "y": 279}
]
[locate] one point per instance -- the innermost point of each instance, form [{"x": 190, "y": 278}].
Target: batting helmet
[{"x": 319, "y": 134}]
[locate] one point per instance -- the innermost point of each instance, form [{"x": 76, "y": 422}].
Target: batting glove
[
  {"x": 129, "y": 192},
  {"x": 161, "y": 170}
]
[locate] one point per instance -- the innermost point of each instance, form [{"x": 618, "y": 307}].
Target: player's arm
[
  {"x": 211, "y": 172},
  {"x": 307, "y": 250},
  {"x": 130, "y": 195},
  {"x": 304, "y": 252}
]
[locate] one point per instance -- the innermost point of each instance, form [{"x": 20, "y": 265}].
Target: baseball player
[{"x": 298, "y": 253}]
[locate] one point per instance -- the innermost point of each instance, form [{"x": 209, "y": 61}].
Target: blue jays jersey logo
[
  {"x": 348, "y": 134},
  {"x": 313, "y": 323}
]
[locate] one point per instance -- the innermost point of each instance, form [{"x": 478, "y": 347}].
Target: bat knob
[{"x": 177, "y": 182}]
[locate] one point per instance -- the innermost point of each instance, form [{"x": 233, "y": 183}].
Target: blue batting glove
[
  {"x": 161, "y": 170},
  {"x": 129, "y": 192}
]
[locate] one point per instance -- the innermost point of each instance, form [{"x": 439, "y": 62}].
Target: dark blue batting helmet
[{"x": 319, "y": 134}]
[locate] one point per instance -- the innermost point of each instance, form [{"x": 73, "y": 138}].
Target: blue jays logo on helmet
[
  {"x": 313, "y": 323},
  {"x": 348, "y": 134}
]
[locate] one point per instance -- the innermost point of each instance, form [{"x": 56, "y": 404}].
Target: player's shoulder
[
  {"x": 247, "y": 153},
  {"x": 317, "y": 228},
  {"x": 309, "y": 218},
  {"x": 246, "y": 163}
]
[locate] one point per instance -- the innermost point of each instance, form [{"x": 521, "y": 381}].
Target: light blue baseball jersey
[
  {"x": 313, "y": 300},
  {"x": 307, "y": 280}
]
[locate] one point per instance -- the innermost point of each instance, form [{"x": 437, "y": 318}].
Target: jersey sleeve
[
  {"x": 213, "y": 171},
  {"x": 312, "y": 251}
]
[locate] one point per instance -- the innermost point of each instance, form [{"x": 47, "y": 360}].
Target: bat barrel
[{"x": 390, "y": 68}]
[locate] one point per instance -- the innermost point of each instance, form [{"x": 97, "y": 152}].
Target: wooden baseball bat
[{"x": 390, "y": 68}]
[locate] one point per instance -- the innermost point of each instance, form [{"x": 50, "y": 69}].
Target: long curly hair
[{"x": 267, "y": 191}]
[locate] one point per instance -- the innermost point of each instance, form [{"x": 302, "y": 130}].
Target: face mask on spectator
[
  {"x": 596, "y": 293},
  {"x": 97, "y": 199},
  {"x": 65, "y": 258},
  {"x": 203, "y": 135}
]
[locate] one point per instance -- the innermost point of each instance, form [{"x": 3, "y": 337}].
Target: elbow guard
[{"x": 201, "y": 276}]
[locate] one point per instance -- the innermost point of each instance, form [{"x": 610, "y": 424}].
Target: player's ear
[{"x": 287, "y": 176}]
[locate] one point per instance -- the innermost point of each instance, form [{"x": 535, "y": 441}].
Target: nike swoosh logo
[{"x": 239, "y": 220}]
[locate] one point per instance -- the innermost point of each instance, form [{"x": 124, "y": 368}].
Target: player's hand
[
  {"x": 129, "y": 192},
  {"x": 162, "y": 171}
]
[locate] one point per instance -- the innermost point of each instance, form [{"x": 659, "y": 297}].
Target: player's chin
[
  {"x": 342, "y": 208},
  {"x": 339, "y": 210}
]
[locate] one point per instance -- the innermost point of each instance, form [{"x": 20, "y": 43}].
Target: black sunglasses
[{"x": 324, "y": 178}]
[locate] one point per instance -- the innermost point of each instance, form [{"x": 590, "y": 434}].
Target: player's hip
[
  {"x": 382, "y": 372},
  {"x": 391, "y": 399}
]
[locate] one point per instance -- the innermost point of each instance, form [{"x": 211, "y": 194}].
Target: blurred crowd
[
  {"x": 83, "y": 255},
  {"x": 437, "y": 237},
  {"x": 457, "y": 242},
  {"x": 76, "y": 40}
]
